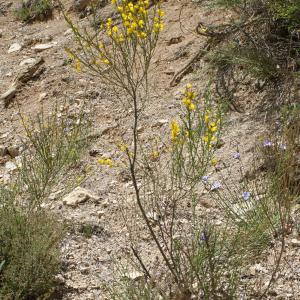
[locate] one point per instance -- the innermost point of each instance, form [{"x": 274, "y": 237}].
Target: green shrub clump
[
  {"x": 30, "y": 10},
  {"x": 29, "y": 253},
  {"x": 263, "y": 39}
]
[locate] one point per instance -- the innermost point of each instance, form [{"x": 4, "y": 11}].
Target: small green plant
[
  {"x": 34, "y": 10},
  {"x": 127, "y": 289},
  {"x": 253, "y": 61},
  {"x": 54, "y": 143},
  {"x": 28, "y": 251},
  {"x": 29, "y": 236},
  {"x": 286, "y": 12},
  {"x": 87, "y": 230}
]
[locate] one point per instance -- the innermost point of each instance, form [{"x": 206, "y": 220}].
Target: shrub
[
  {"x": 29, "y": 252},
  {"x": 30, "y": 10},
  {"x": 261, "y": 40},
  {"x": 30, "y": 237},
  {"x": 54, "y": 143}
]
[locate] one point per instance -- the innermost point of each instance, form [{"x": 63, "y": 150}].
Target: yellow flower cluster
[
  {"x": 158, "y": 25},
  {"x": 134, "y": 17},
  {"x": 113, "y": 31},
  {"x": 189, "y": 97},
  {"x": 105, "y": 162},
  {"x": 134, "y": 20},
  {"x": 102, "y": 55},
  {"x": 175, "y": 130},
  {"x": 212, "y": 125},
  {"x": 123, "y": 147}
]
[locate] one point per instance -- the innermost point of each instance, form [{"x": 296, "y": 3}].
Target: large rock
[{"x": 78, "y": 196}]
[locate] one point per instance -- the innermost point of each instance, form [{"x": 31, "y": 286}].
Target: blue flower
[
  {"x": 205, "y": 178},
  {"x": 215, "y": 186},
  {"x": 268, "y": 143},
  {"x": 236, "y": 155},
  {"x": 203, "y": 236},
  {"x": 246, "y": 195}
]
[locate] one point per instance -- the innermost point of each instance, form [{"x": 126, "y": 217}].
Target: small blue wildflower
[
  {"x": 205, "y": 178},
  {"x": 215, "y": 186},
  {"x": 203, "y": 236},
  {"x": 246, "y": 195},
  {"x": 236, "y": 155},
  {"x": 268, "y": 143}
]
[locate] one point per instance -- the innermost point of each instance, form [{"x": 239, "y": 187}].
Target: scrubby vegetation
[
  {"x": 30, "y": 10},
  {"x": 30, "y": 236},
  {"x": 262, "y": 40}
]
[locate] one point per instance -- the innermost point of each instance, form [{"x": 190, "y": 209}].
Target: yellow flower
[
  {"x": 143, "y": 11},
  {"x": 105, "y": 162},
  {"x": 192, "y": 106},
  {"x": 130, "y": 16},
  {"x": 123, "y": 147},
  {"x": 186, "y": 101},
  {"x": 141, "y": 23},
  {"x": 113, "y": 1},
  {"x": 115, "y": 29},
  {"x": 129, "y": 31},
  {"x": 121, "y": 38},
  {"x": 134, "y": 25},
  {"x": 205, "y": 139},
  {"x": 108, "y": 162},
  {"x": 155, "y": 154},
  {"x": 175, "y": 130},
  {"x": 206, "y": 118},
  {"x": 214, "y": 161},
  {"x": 106, "y": 61},
  {"x": 213, "y": 127},
  {"x": 158, "y": 27},
  {"x": 189, "y": 86},
  {"x": 142, "y": 35},
  {"x": 109, "y": 22},
  {"x": 101, "y": 161},
  {"x": 191, "y": 95},
  {"x": 160, "y": 13}
]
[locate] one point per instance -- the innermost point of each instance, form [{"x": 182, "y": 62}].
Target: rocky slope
[{"x": 34, "y": 72}]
